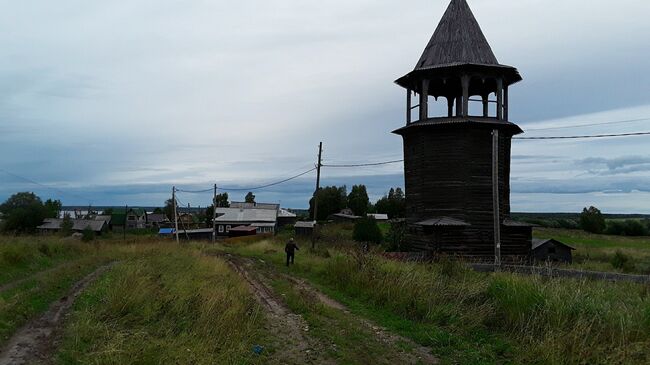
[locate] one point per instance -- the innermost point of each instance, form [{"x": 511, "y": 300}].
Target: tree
[
  {"x": 367, "y": 230},
  {"x": 87, "y": 234},
  {"x": 358, "y": 200},
  {"x": 393, "y": 204},
  {"x": 250, "y": 197},
  {"x": 169, "y": 209},
  {"x": 331, "y": 200},
  {"x": 66, "y": 225},
  {"x": 23, "y": 212},
  {"x": 158, "y": 210},
  {"x": 592, "y": 220},
  {"x": 53, "y": 208},
  {"x": 221, "y": 200}
]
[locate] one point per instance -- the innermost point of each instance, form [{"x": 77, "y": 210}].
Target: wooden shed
[
  {"x": 457, "y": 161},
  {"x": 551, "y": 250}
]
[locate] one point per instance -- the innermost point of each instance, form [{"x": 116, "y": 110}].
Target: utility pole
[
  {"x": 495, "y": 199},
  {"x": 126, "y": 213},
  {"x": 214, "y": 214},
  {"x": 175, "y": 214},
  {"x": 318, "y": 166}
]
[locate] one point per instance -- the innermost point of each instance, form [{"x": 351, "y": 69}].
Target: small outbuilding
[
  {"x": 305, "y": 229},
  {"x": 552, "y": 250},
  {"x": 242, "y": 231}
]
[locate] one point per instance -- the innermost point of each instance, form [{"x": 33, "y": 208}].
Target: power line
[
  {"x": 60, "y": 192},
  {"x": 588, "y": 125},
  {"x": 269, "y": 185},
  {"x": 585, "y": 136},
  {"x": 193, "y": 191},
  {"x": 364, "y": 164}
]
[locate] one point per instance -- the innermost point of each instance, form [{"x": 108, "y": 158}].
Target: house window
[
  {"x": 228, "y": 228},
  {"x": 220, "y": 228}
]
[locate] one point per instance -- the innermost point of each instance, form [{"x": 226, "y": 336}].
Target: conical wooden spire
[{"x": 458, "y": 39}]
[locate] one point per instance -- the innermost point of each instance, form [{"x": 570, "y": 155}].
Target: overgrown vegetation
[
  {"x": 23, "y": 212},
  {"x": 469, "y": 317},
  {"x": 170, "y": 306},
  {"x": 366, "y": 230}
]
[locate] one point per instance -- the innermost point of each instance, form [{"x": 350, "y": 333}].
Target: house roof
[
  {"x": 263, "y": 225},
  {"x": 155, "y": 218},
  {"x": 304, "y": 224},
  {"x": 77, "y": 224},
  {"x": 283, "y": 213},
  {"x": 345, "y": 216},
  {"x": 512, "y": 223},
  {"x": 166, "y": 231},
  {"x": 539, "y": 242},
  {"x": 105, "y": 218},
  {"x": 443, "y": 222},
  {"x": 270, "y": 206},
  {"x": 241, "y": 215},
  {"x": 378, "y": 216}
]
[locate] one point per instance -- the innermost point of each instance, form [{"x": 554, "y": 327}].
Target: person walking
[{"x": 290, "y": 249}]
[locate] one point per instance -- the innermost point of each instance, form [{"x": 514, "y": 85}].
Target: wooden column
[
  {"x": 486, "y": 109},
  {"x": 450, "y": 106},
  {"x": 465, "y": 84},
  {"x": 505, "y": 102},
  {"x": 408, "y": 106},
  {"x": 496, "y": 214},
  {"x": 424, "y": 100},
  {"x": 499, "y": 99},
  {"x": 459, "y": 106}
]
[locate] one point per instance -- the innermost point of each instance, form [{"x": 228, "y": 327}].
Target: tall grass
[
  {"x": 516, "y": 319},
  {"x": 21, "y": 256},
  {"x": 170, "y": 307}
]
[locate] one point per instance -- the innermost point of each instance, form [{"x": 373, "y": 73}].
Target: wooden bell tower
[{"x": 457, "y": 165}]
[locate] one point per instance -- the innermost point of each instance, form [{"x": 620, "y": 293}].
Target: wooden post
[
  {"x": 424, "y": 100},
  {"x": 505, "y": 102},
  {"x": 318, "y": 166},
  {"x": 175, "y": 214},
  {"x": 500, "y": 99},
  {"x": 214, "y": 214},
  {"x": 465, "y": 83},
  {"x": 486, "y": 110},
  {"x": 408, "y": 106},
  {"x": 459, "y": 106},
  {"x": 450, "y": 106},
  {"x": 495, "y": 199}
]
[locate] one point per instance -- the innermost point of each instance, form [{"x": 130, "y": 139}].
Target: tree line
[{"x": 333, "y": 199}]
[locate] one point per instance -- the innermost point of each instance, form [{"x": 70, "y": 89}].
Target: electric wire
[
  {"x": 586, "y": 125},
  {"x": 270, "y": 184},
  {"x": 585, "y": 136},
  {"x": 60, "y": 192},
  {"x": 363, "y": 164}
]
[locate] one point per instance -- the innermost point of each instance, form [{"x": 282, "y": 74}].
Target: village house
[
  {"x": 53, "y": 225},
  {"x": 264, "y": 217}
]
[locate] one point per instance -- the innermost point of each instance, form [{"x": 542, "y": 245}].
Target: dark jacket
[{"x": 291, "y": 248}]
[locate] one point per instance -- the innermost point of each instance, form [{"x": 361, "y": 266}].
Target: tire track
[{"x": 34, "y": 342}]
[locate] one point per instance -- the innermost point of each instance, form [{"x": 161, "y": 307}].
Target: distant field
[{"x": 596, "y": 252}]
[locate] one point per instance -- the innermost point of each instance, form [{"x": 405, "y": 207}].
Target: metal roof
[
  {"x": 271, "y": 206},
  {"x": 263, "y": 225},
  {"x": 512, "y": 223},
  {"x": 539, "y": 242},
  {"x": 166, "y": 231},
  {"x": 241, "y": 215},
  {"x": 283, "y": 213},
  {"x": 443, "y": 222},
  {"x": 304, "y": 225},
  {"x": 77, "y": 224},
  {"x": 378, "y": 216}
]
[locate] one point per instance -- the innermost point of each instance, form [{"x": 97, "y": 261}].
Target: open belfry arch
[{"x": 457, "y": 165}]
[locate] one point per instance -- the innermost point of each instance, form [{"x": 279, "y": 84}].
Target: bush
[
  {"x": 622, "y": 262},
  {"x": 592, "y": 220},
  {"x": 395, "y": 237},
  {"x": 88, "y": 234},
  {"x": 628, "y": 227},
  {"x": 367, "y": 230}
]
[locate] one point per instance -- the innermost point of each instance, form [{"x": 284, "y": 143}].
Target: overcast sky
[{"x": 113, "y": 102}]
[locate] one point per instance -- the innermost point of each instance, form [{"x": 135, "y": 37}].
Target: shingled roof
[{"x": 458, "y": 39}]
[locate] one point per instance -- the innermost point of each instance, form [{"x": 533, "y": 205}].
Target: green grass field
[{"x": 164, "y": 303}]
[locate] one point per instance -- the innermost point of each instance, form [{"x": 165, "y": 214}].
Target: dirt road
[{"x": 34, "y": 342}]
